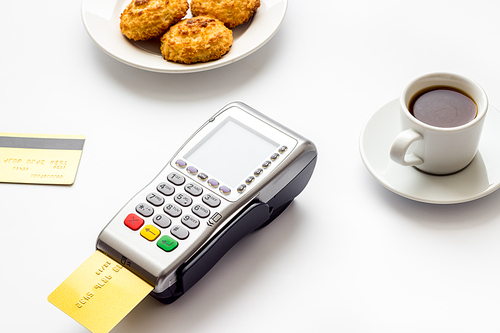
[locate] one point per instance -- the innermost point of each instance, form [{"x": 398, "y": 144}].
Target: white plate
[
  {"x": 102, "y": 21},
  {"x": 479, "y": 179}
]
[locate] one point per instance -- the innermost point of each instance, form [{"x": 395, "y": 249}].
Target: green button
[{"x": 167, "y": 243}]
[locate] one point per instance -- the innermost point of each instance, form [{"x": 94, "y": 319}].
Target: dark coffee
[{"x": 443, "y": 107}]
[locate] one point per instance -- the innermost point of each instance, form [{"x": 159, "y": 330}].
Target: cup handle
[{"x": 400, "y": 147}]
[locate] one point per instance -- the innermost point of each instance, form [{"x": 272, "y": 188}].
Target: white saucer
[
  {"x": 479, "y": 179},
  {"x": 101, "y": 19}
]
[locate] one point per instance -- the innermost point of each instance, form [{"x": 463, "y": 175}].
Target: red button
[{"x": 133, "y": 221}]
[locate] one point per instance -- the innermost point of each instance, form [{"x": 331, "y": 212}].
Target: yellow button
[{"x": 150, "y": 233}]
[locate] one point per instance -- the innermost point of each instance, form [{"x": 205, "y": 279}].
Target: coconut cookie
[
  {"x": 146, "y": 19},
  {"x": 231, "y": 12},
  {"x": 197, "y": 39}
]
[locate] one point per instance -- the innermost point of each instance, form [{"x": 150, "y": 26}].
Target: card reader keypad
[
  {"x": 183, "y": 200},
  {"x": 144, "y": 209},
  {"x": 155, "y": 199},
  {"x": 172, "y": 212},
  {"x": 162, "y": 220}
]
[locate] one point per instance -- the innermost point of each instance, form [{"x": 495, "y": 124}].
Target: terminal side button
[{"x": 214, "y": 219}]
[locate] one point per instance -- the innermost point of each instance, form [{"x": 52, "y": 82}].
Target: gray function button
[
  {"x": 162, "y": 220},
  {"x": 190, "y": 221},
  {"x": 179, "y": 232},
  {"x": 202, "y": 176},
  {"x": 172, "y": 210},
  {"x": 275, "y": 156},
  {"x": 165, "y": 189},
  {"x": 200, "y": 211},
  {"x": 266, "y": 164},
  {"x": 144, "y": 209},
  {"x": 183, "y": 199},
  {"x": 176, "y": 179},
  {"x": 155, "y": 199},
  {"x": 193, "y": 189},
  {"x": 211, "y": 200},
  {"x": 282, "y": 149}
]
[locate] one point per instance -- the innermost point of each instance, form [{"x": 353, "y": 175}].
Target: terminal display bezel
[{"x": 251, "y": 126}]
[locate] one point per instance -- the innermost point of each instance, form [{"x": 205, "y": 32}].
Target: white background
[{"x": 346, "y": 256}]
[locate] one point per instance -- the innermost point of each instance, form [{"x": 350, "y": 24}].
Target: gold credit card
[
  {"x": 39, "y": 158},
  {"x": 100, "y": 293}
]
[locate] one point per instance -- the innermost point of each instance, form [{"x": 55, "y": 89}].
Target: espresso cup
[{"x": 430, "y": 147}]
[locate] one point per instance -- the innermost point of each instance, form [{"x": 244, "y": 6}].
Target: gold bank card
[
  {"x": 100, "y": 293},
  {"x": 39, "y": 159}
]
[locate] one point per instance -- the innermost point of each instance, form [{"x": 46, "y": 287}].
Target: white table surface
[{"x": 347, "y": 256}]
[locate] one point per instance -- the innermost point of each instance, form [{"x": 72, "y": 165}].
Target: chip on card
[
  {"x": 100, "y": 293},
  {"x": 40, "y": 158}
]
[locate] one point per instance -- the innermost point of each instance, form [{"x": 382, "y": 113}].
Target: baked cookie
[
  {"x": 146, "y": 19},
  {"x": 197, "y": 39},
  {"x": 231, "y": 12}
]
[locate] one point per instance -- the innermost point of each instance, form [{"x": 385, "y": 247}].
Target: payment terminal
[{"x": 235, "y": 174}]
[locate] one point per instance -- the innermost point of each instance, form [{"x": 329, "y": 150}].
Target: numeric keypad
[{"x": 170, "y": 203}]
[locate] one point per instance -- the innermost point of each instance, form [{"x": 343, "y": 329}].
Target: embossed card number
[
  {"x": 40, "y": 159},
  {"x": 100, "y": 293}
]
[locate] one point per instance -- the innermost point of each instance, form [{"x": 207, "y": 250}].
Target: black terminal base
[{"x": 257, "y": 215}]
